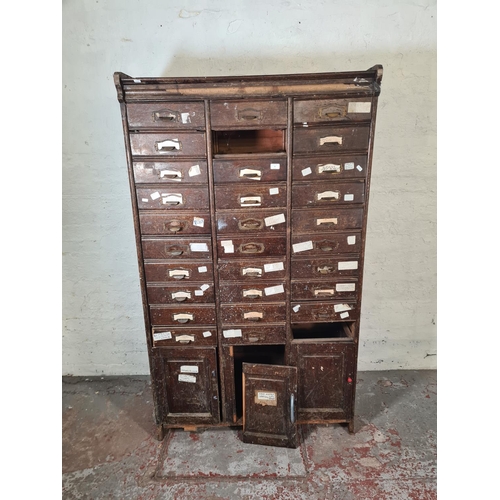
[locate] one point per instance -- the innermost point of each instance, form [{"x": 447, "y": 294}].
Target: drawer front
[
  {"x": 326, "y": 244},
  {"x": 170, "y": 224},
  {"x": 251, "y": 222},
  {"x": 332, "y": 289},
  {"x": 250, "y": 171},
  {"x": 172, "y": 198},
  {"x": 182, "y": 336},
  {"x": 327, "y": 195},
  {"x": 168, "y": 144},
  {"x": 252, "y": 270},
  {"x": 164, "y": 115},
  {"x": 178, "y": 172},
  {"x": 252, "y": 293},
  {"x": 182, "y": 315},
  {"x": 248, "y": 314},
  {"x": 252, "y": 247},
  {"x": 329, "y": 167},
  {"x": 275, "y": 334},
  {"x": 306, "y": 221},
  {"x": 252, "y": 196},
  {"x": 324, "y": 312},
  {"x": 327, "y": 139},
  {"x": 179, "y": 272},
  {"x": 185, "y": 293},
  {"x": 332, "y": 110},
  {"x": 247, "y": 114},
  {"x": 177, "y": 248},
  {"x": 325, "y": 268}
]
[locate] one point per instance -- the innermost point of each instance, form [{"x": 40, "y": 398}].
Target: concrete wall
[{"x": 102, "y": 312}]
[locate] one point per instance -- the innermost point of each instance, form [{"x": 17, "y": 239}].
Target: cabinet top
[{"x": 348, "y": 83}]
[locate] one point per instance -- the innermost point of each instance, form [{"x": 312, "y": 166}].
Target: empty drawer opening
[
  {"x": 267, "y": 355},
  {"x": 338, "y": 330},
  {"x": 248, "y": 141}
]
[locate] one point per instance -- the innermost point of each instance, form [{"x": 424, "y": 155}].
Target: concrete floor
[{"x": 109, "y": 449}]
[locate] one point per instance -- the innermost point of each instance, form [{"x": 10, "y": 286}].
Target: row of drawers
[{"x": 245, "y": 114}]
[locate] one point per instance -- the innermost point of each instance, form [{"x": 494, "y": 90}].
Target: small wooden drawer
[
  {"x": 273, "y": 334},
  {"x": 179, "y": 272},
  {"x": 249, "y": 222},
  {"x": 168, "y": 144},
  {"x": 329, "y": 167},
  {"x": 174, "y": 172},
  {"x": 252, "y": 270},
  {"x": 326, "y": 244},
  {"x": 251, "y": 247},
  {"x": 332, "y": 110},
  {"x": 182, "y": 336},
  {"x": 328, "y": 194},
  {"x": 252, "y": 293},
  {"x": 250, "y": 171},
  {"x": 252, "y": 196},
  {"x": 324, "y": 312},
  {"x": 182, "y": 315},
  {"x": 321, "y": 220},
  {"x": 248, "y": 114},
  {"x": 172, "y": 197},
  {"x": 305, "y": 268},
  {"x": 332, "y": 289},
  {"x": 161, "y": 223},
  {"x": 185, "y": 293},
  {"x": 327, "y": 139},
  {"x": 177, "y": 248},
  {"x": 247, "y": 314},
  {"x": 165, "y": 115}
]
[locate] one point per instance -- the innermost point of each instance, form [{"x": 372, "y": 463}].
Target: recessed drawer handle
[
  {"x": 168, "y": 145},
  {"x": 328, "y": 196},
  {"x": 172, "y": 199},
  {"x": 330, "y": 139},
  {"x": 170, "y": 174},
  {"x": 329, "y": 168},
  {"x": 250, "y": 173},
  {"x": 326, "y": 246},
  {"x": 251, "y": 224},
  {"x": 183, "y": 317},
  {"x": 249, "y": 114},
  {"x": 184, "y": 339},
  {"x": 252, "y": 248},
  {"x": 166, "y": 115},
  {"x": 337, "y": 111},
  {"x": 321, "y": 315},
  {"x": 174, "y": 250},
  {"x": 181, "y": 296},
  {"x": 327, "y": 222},
  {"x": 178, "y": 274},
  {"x": 175, "y": 226},
  {"x": 325, "y": 269},
  {"x": 253, "y": 272},
  {"x": 324, "y": 293},
  {"x": 253, "y": 316},
  {"x": 252, "y": 294},
  {"x": 253, "y": 339},
  {"x": 250, "y": 201}
]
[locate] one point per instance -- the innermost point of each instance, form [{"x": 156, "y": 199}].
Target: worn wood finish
[{"x": 249, "y": 199}]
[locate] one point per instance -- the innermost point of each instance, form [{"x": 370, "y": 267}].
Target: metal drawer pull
[
  {"x": 172, "y": 199},
  {"x": 250, "y": 173},
  {"x": 329, "y": 168},
  {"x": 330, "y": 139},
  {"x": 253, "y": 316},
  {"x": 252, "y": 294},
  {"x": 251, "y": 224},
  {"x": 253, "y": 272},
  {"x": 325, "y": 246},
  {"x": 174, "y": 250},
  {"x": 332, "y": 220},
  {"x": 250, "y": 201},
  {"x": 251, "y": 248},
  {"x": 325, "y": 269},
  {"x": 328, "y": 196},
  {"x": 168, "y": 145},
  {"x": 166, "y": 115},
  {"x": 170, "y": 174},
  {"x": 249, "y": 114},
  {"x": 175, "y": 226},
  {"x": 324, "y": 293},
  {"x": 184, "y": 339},
  {"x": 292, "y": 408},
  {"x": 178, "y": 274},
  {"x": 183, "y": 317},
  {"x": 181, "y": 296}
]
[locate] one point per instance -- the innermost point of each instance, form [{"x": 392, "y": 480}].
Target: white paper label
[
  {"x": 275, "y": 219},
  {"x": 194, "y": 170},
  {"x": 185, "y": 118},
  {"x": 273, "y": 290},
  {"x": 155, "y": 195},
  {"x": 306, "y": 171},
  {"x": 359, "y": 167},
  {"x": 228, "y": 248},
  {"x": 162, "y": 336},
  {"x": 351, "y": 240},
  {"x": 341, "y": 307},
  {"x": 296, "y": 308},
  {"x": 136, "y": 80},
  {"x": 144, "y": 200},
  {"x": 345, "y": 287},
  {"x": 198, "y": 247},
  {"x": 198, "y": 293},
  {"x": 226, "y": 242},
  {"x": 302, "y": 247},
  {"x": 348, "y": 197},
  {"x": 184, "y": 338},
  {"x": 207, "y": 334},
  {"x": 344, "y": 315},
  {"x": 277, "y": 266},
  {"x": 359, "y": 107},
  {"x": 274, "y": 191},
  {"x": 189, "y": 369},
  {"x": 187, "y": 378},
  {"x": 275, "y": 166},
  {"x": 266, "y": 396},
  {"x": 198, "y": 221},
  {"x": 228, "y": 334},
  {"x": 349, "y": 166},
  {"x": 351, "y": 264},
  {"x": 204, "y": 287},
  {"x": 202, "y": 269}
]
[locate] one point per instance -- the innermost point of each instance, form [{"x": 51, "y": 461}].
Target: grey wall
[{"x": 102, "y": 311}]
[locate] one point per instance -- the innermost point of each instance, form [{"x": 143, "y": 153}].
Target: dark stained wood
[
  {"x": 168, "y": 144},
  {"x": 269, "y": 169},
  {"x": 332, "y": 289},
  {"x": 252, "y": 271},
  {"x": 183, "y": 336},
  {"x": 180, "y": 293},
  {"x": 172, "y": 172},
  {"x": 251, "y": 222},
  {"x": 167, "y": 115},
  {"x": 179, "y": 272},
  {"x": 172, "y": 197},
  {"x": 331, "y": 167},
  {"x": 332, "y": 110},
  {"x": 252, "y": 314},
  {"x": 177, "y": 248},
  {"x": 321, "y": 312},
  {"x": 327, "y": 139},
  {"x": 174, "y": 223},
  {"x": 250, "y": 196},
  {"x": 254, "y": 141},
  {"x": 251, "y": 293},
  {"x": 252, "y": 246},
  {"x": 327, "y": 243},
  {"x": 326, "y": 268},
  {"x": 247, "y": 114},
  {"x": 179, "y": 315},
  {"x": 305, "y": 221},
  {"x": 328, "y": 195},
  {"x": 256, "y": 334}
]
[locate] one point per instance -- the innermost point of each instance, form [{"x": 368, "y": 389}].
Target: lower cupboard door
[{"x": 269, "y": 405}]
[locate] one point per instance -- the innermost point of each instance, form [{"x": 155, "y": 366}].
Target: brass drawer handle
[
  {"x": 183, "y": 317},
  {"x": 333, "y": 111},
  {"x": 252, "y": 272},
  {"x": 249, "y": 114},
  {"x": 328, "y": 196},
  {"x": 178, "y": 274},
  {"x": 175, "y": 226},
  {"x": 174, "y": 250},
  {"x": 330, "y": 139},
  {"x": 170, "y": 174},
  {"x": 252, "y": 294},
  {"x": 250, "y": 201},
  {"x": 251, "y": 224},
  {"x": 250, "y": 173},
  {"x": 325, "y": 269},
  {"x": 251, "y": 248},
  {"x": 181, "y": 296},
  {"x": 253, "y": 316},
  {"x": 168, "y": 145},
  {"x": 166, "y": 115},
  {"x": 324, "y": 293}
]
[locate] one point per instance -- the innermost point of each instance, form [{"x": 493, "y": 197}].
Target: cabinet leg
[
  {"x": 351, "y": 427},
  {"x": 160, "y": 432}
]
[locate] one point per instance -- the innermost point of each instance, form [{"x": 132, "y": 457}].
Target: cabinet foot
[
  {"x": 160, "y": 432},
  {"x": 351, "y": 427}
]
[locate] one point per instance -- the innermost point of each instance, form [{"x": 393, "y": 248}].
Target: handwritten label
[
  {"x": 275, "y": 166},
  {"x": 228, "y": 334},
  {"x": 162, "y": 336},
  {"x": 302, "y": 247},
  {"x": 189, "y": 369},
  {"x": 350, "y": 264},
  {"x": 198, "y": 221},
  {"x": 273, "y": 290},
  {"x": 277, "y": 266},
  {"x": 359, "y": 167},
  {"x": 359, "y": 107},
  {"x": 198, "y": 247},
  {"x": 345, "y": 287},
  {"x": 306, "y": 171},
  {"x": 187, "y": 378},
  {"x": 349, "y": 166},
  {"x": 275, "y": 219}
]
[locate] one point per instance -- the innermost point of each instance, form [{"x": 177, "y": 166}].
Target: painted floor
[{"x": 110, "y": 452}]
